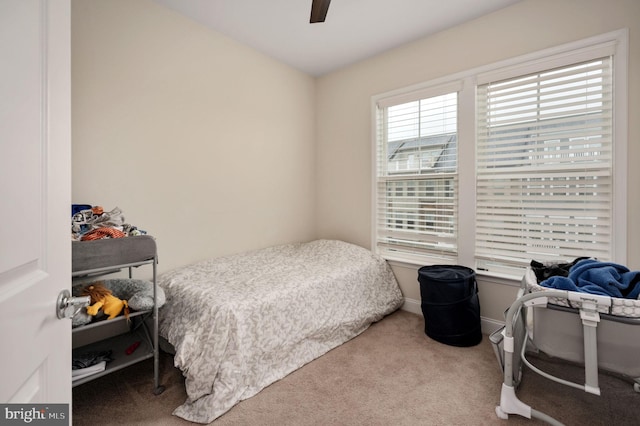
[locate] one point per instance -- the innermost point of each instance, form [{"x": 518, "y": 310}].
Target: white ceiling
[{"x": 353, "y": 30}]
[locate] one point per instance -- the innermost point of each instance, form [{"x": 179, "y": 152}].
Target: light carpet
[{"x": 392, "y": 374}]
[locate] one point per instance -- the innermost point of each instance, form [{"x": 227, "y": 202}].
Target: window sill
[{"x": 483, "y": 276}]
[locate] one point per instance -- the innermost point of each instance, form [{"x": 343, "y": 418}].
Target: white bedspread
[{"x": 239, "y": 323}]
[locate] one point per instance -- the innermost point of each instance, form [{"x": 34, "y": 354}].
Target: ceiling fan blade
[{"x": 319, "y": 10}]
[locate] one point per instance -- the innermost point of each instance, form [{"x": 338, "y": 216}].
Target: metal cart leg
[{"x": 157, "y": 389}]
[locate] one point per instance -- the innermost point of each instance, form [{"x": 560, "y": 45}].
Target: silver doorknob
[{"x": 67, "y": 306}]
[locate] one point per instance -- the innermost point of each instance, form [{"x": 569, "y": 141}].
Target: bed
[
  {"x": 581, "y": 324},
  {"x": 239, "y": 323}
]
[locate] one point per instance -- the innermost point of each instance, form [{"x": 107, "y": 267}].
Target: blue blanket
[{"x": 603, "y": 278}]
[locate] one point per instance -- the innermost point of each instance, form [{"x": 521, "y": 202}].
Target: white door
[{"x": 35, "y": 200}]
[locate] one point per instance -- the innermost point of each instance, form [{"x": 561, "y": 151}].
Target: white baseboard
[
  {"x": 412, "y": 305},
  {"x": 488, "y": 325}
]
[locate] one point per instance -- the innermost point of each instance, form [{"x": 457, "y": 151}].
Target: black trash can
[{"x": 450, "y": 304}]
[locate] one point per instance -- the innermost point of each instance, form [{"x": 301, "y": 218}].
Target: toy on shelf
[{"x": 101, "y": 297}]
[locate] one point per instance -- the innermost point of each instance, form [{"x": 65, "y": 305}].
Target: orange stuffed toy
[{"x": 101, "y": 297}]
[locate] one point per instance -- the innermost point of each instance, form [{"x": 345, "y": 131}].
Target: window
[
  {"x": 417, "y": 176},
  {"x": 544, "y": 166},
  {"x": 516, "y": 161}
]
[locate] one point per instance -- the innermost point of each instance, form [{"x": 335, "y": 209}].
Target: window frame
[
  {"x": 406, "y": 178},
  {"x": 466, "y": 83}
]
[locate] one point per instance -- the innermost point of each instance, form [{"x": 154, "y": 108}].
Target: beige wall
[
  {"x": 206, "y": 144},
  {"x": 215, "y": 148},
  {"x": 344, "y": 109}
]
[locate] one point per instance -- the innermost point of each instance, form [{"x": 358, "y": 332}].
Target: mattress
[
  {"x": 239, "y": 323},
  {"x": 558, "y": 331}
]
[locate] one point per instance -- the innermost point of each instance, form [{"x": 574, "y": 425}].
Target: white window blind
[
  {"x": 417, "y": 185},
  {"x": 544, "y": 167}
]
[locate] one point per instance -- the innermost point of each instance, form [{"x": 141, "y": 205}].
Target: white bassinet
[{"x": 596, "y": 331}]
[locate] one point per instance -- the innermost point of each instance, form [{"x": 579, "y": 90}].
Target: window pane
[{"x": 417, "y": 176}]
